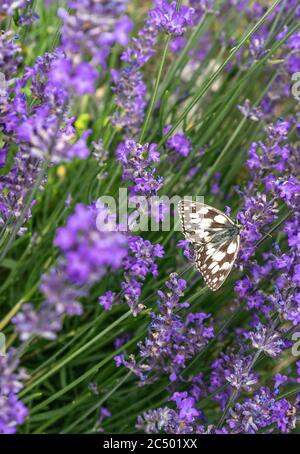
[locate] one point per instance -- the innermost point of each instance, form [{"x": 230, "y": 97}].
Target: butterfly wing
[
  {"x": 200, "y": 222},
  {"x": 215, "y": 263},
  {"x": 200, "y": 225}
]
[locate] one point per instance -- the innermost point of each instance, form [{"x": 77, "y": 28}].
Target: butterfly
[{"x": 216, "y": 240}]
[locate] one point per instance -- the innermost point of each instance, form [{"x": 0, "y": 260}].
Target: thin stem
[
  {"x": 98, "y": 404},
  {"x": 249, "y": 368},
  {"x": 155, "y": 90},
  {"x": 276, "y": 226},
  {"x": 25, "y": 209},
  {"x": 75, "y": 353},
  {"x": 82, "y": 378},
  {"x": 227, "y": 408},
  {"x": 216, "y": 74},
  {"x": 179, "y": 61}
]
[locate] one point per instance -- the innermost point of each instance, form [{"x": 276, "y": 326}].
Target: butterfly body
[
  {"x": 228, "y": 233},
  {"x": 215, "y": 238}
]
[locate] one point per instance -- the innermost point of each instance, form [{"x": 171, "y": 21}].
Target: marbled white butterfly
[{"x": 216, "y": 239}]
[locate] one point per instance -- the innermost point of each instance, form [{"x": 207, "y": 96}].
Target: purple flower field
[{"x": 121, "y": 313}]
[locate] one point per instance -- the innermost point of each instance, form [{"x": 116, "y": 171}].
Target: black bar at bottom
[{"x": 138, "y": 442}]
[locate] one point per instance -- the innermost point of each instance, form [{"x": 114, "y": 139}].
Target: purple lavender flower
[
  {"x": 284, "y": 415},
  {"x": 12, "y": 411},
  {"x": 187, "y": 249},
  {"x": 178, "y": 143},
  {"x": 129, "y": 87},
  {"x": 94, "y": 28},
  {"x": 279, "y": 380},
  {"x": 107, "y": 300},
  {"x": 93, "y": 387},
  {"x": 201, "y": 7},
  {"x": 119, "y": 360},
  {"x": 257, "y": 47},
  {"x": 46, "y": 140},
  {"x": 41, "y": 130},
  {"x": 103, "y": 414},
  {"x": 140, "y": 261},
  {"x": 239, "y": 374},
  {"x": 165, "y": 16},
  {"x": 231, "y": 370},
  {"x": 258, "y": 213},
  {"x": 86, "y": 250},
  {"x": 270, "y": 285},
  {"x": 10, "y": 59},
  {"x": 10, "y": 56},
  {"x": 137, "y": 161},
  {"x": 86, "y": 253},
  {"x": 259, "y": 412},
  {"x": 298, "y": 371},
  {"x": 171, "y": 340},
  {"x": 270, "y": 344},
  {"x": 87, "y": 38},
  {"x": 81, "y": 78},
  {"x": 141, "y": 49},
  {"x": 215, "y": 185},
  {"x": 275, "y": 163},
  {"x": 60, "y": 298},
  {"x": 155, "y": 421},
  {"x": 177, "y": 44},
  {"x": 26, "y": 15},
  {"x": 253, "y": 113},
  {"x": 122, "y": 340},
  {"x": 187, "y": 409},
  {"x": 45, "y": 323},
  {"x": 15, "y": 187},
  {"x": 130, "y": 93},
  {"x": 182, "y": 420}
]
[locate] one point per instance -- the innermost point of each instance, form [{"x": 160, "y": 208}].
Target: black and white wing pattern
[{"x": 215, "y": 238}]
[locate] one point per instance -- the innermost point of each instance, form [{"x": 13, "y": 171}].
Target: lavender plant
[{"x": 113, "y": 330}]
